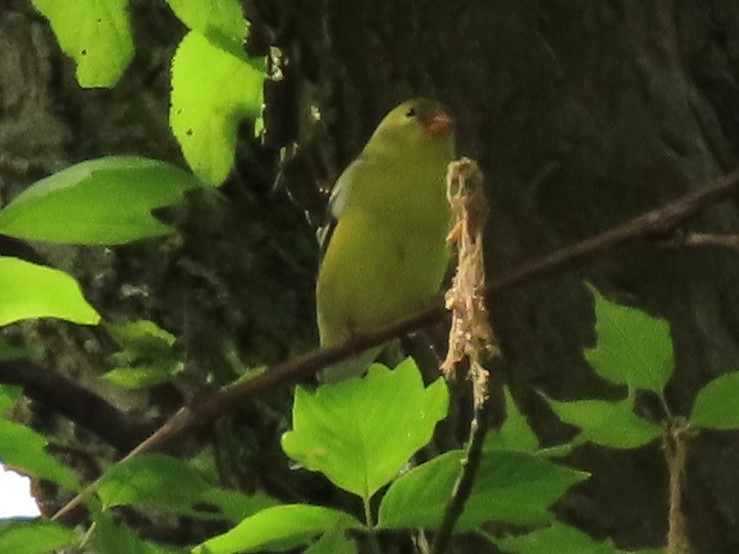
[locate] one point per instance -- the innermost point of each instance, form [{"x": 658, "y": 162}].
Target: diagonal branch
[
  {"x": 655, "y": 225},
  {"x": 76, "y": 403}
]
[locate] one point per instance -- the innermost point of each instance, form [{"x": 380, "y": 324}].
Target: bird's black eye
[{"x": 411, "y": 112}]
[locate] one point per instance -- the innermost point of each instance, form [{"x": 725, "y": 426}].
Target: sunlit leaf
[
  {"x": 102, "y": 201},
  {"x": 96, "y": 34},
  {"x": 633, "y": 347},
  {"x": 283, "y": 526},
  {"x": 221, "y": 21},
  {"x": 30, "y": 291},
  {"x": 360, "y": 432},
  {"x": 212, "y": 91}
]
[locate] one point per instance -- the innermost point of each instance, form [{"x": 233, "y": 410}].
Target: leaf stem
[{"x": 372, "y": 535}]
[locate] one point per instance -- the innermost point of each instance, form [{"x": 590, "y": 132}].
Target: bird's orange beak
[{"x": 440, "y": 124}]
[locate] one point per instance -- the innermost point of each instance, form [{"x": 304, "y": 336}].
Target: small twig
[
  {"x": 675, "y": 448},
  {"x": 372, "y": 533},
  {"x": 463, "y": 487},
  {"x": 704, "y": 240},
  {"x": 656, "y": 224}
]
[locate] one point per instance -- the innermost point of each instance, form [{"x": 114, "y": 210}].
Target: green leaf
[
  {"x": 169, "y": 483},
  {"x": 633, "y": 347},
  {"x": 717, "y": 404},
  {"x": 333, "y": 542},
  {"x": 515, "y": 434},
  {"x": 8, "y": 396},
  {"x": 29, "y": 291},
  {"x": 221, "y": 21},
  {"x": 612, "y": 424},
  {"x": 143, "y": 337},
  {"x": 147, "y": 355},
  {"x": 103, "y": 201},
  {"x": 108, "y": 538},
  {"x": 96, "y": 34},
  {"x": 291, "y": 524},
  {"x": 34, "y": 536},
  {"x": 360, "y": 432},
  {"x": 143, "y": 376},
  {"x": 212, "y": 90},
  {"x": 510, "y": 487},
  {"x": 23, "y": 449},
  {"x": 556, "y": 538}
]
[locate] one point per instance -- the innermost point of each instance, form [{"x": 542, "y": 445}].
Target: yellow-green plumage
[{"x": 387, "y": 254}]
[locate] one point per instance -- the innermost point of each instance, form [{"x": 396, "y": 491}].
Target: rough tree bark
[{"x": 580, "y": 113}]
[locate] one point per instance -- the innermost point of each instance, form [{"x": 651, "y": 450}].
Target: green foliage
[
  {"x": 333, "y": 542},
  {"x": 8, "y": 395},
  {"x": 214, "y": 84},
  {"x": 511, "y": 487},
  {"x": 360, "y": 432},
  {"x": 212, "y": 90},
  {"x": 633, "y": 348},
  {"x": 96, "y": 34},
  {"x": 717, "y": 405},
  {"x": 611, "y": 424},
  {"x": 171, "y": 484},
  {"x": 515, "y": 433},
  {"x": 104, "y": 201},
  {"x": 24, "y": 449},
  {"x": 556, "y": 538},
  {"x": 222, "y": 22},
  {"x": 30, "y": 291},
  {"x": 147, "y": 356},
  {"x": 34, "y": 537},
  {"x": 279, "y": 526},
  {"x": 108, "y": 538}
]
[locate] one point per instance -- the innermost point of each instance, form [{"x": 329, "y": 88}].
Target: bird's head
[{"x": 418, "y": 122}]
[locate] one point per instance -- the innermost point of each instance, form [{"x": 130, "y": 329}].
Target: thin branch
[
  {"x": 675, "y": 446},
  {"x": 657, "y": 224},
  {"x": 463, "y": 487},
  {"x": 704, "y": 240},
  {"x": 76, "y": 403}
]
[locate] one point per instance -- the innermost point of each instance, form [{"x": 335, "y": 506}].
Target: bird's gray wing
[{"x": 337, "y": 203}]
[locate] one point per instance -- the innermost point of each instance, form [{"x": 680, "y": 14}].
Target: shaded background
[{"x": 582, "y": 114}]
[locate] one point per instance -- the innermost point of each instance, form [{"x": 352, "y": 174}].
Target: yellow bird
[{"x": 387, "y": 253}]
